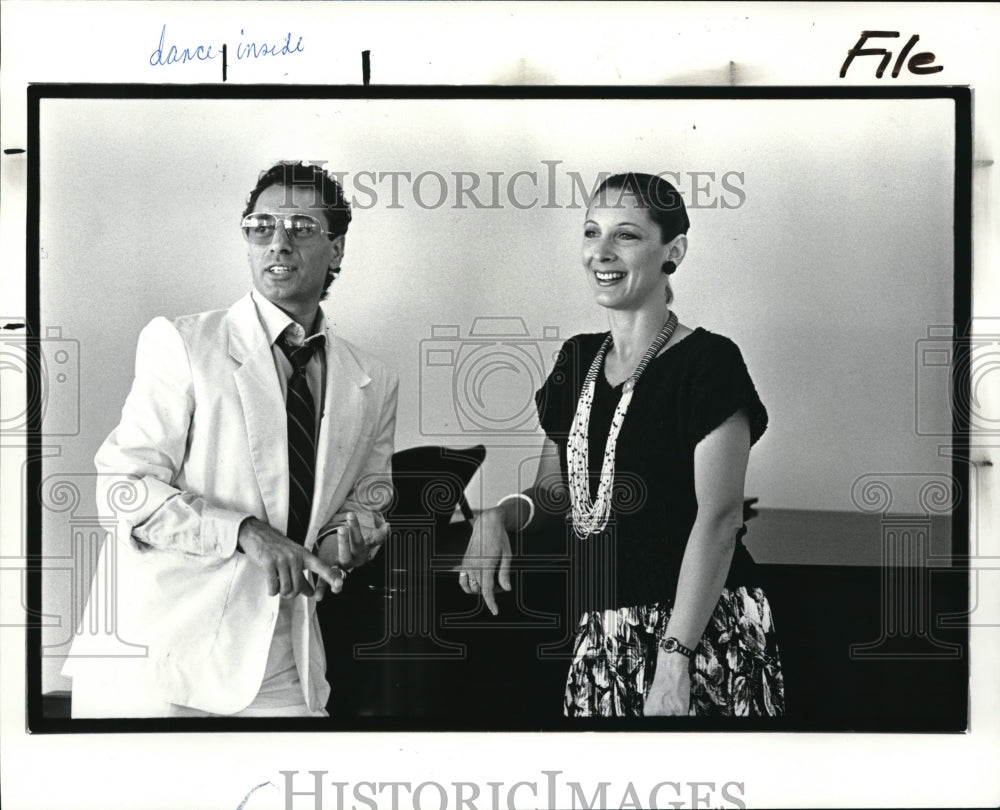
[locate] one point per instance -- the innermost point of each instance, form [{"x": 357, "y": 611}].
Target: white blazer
[{"x": 203, "y": 435}]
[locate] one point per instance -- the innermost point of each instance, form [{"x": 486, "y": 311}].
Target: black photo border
[{"x": 962, "y": 97}]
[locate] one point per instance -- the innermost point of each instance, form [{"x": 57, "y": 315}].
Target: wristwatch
[{"x": 671, "y": 644}]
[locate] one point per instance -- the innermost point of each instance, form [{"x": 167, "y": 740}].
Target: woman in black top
[{"x": 648, "y": 433}]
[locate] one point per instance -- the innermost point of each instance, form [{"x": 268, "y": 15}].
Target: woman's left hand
[{"x": 670, "y": 692}]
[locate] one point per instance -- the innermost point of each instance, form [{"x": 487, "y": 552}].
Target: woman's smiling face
[{"x": 623, "y": 253}]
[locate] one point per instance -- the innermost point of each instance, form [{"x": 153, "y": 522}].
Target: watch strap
[{"x": 671, "y": 644}]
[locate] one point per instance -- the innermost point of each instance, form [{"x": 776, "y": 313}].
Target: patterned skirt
[{"x": 737, "y": 670}]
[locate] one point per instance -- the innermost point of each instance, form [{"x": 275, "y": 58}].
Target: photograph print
[{"x": 631, "y": 410}]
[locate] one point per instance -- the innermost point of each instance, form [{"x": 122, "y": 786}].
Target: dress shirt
[
  {"x": 280, "y": 688},
  {"x": 277, "y": 322}
]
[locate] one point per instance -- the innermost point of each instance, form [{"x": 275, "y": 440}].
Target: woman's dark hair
[
  {"x": 664, "y": 202},
  {"x": 329, "y": 194}
]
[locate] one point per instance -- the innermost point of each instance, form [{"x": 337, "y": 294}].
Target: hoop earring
[{"x": 668, "y": 267}]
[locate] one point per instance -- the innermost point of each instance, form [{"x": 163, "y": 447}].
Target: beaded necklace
[{"x": 590, "y": 517}]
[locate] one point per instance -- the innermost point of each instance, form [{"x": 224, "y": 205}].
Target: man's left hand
[{"x": 347, "y": 548}]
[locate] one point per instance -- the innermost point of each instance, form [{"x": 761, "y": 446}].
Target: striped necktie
[{"x": 301, "y": 411}]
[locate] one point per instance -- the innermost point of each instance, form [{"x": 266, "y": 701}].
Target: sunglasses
[{"x": 259, "y": 228}]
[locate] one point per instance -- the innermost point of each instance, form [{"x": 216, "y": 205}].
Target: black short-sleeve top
[{"x": 684, "y": 394}]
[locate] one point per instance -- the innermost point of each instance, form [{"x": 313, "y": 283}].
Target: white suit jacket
[{"x": 203, "y": 434}]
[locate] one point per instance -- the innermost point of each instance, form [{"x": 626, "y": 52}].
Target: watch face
[{"x": 670, "y": 644}]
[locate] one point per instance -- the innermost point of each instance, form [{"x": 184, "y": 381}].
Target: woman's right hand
[{"x": 487, "y": 556}]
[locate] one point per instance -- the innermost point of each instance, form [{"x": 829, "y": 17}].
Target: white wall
[{"x": 827, "y": 275}]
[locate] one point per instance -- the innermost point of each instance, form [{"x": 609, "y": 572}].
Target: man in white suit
[{"x": 216, "y": 597}]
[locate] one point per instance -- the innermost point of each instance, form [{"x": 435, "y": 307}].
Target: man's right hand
[{"x": 283, "y": 561}]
